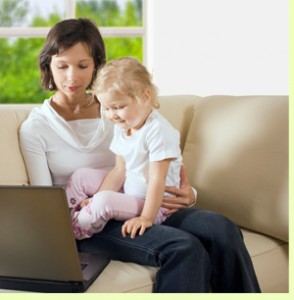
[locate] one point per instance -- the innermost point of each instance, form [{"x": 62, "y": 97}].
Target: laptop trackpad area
[{"x": 92, "y": 264}]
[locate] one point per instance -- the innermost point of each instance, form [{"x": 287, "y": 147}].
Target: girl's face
[
  {"x": 72, "y": 70},
  {"x": 125, "y": 111}
]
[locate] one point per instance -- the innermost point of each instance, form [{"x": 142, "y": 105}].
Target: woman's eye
[
  {"x": 83, "y": 66},
  {"x": 61, "y": 67}
]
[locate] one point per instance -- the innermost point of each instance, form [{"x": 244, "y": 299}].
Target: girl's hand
[
  {"x": 84, "y": 202},
  {"x": 183, "y": 196},
  {"x": 133, "y": 225}
]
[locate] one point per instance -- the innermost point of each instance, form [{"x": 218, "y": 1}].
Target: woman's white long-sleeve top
[{"x": 54, "y": 148}]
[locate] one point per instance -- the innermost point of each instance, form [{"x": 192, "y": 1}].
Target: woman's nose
[{"x": 72, "y": 73}]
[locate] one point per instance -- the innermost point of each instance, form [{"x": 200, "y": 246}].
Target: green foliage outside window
[{"x": 19, "y": 73}]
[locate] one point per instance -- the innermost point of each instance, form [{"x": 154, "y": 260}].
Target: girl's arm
[
  {"x": 116, "y": 177},
  {"x": 157, "y": 179}
]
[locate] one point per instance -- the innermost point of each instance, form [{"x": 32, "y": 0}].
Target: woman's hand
[{"x": 183, "y": 196}]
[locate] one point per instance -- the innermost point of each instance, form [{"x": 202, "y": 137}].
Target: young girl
[{"x": 148, "y": 156}]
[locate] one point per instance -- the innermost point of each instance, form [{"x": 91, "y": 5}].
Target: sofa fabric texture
[{"x": 235, "y": 149}]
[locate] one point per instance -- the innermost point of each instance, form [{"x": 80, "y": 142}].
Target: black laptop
[{"x": 38, "y": 251}]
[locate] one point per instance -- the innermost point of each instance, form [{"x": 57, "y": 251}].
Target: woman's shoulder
[{"x": 35, "y": 118}]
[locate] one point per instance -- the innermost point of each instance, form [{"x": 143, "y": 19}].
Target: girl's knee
[{"x": 79, "y": 174}]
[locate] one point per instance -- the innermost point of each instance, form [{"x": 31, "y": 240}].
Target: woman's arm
[
  {"x": 116, "y": 177},
  {"x": 156, "y": 185},
  {"x": 35, "y": 159},
  {"x": 184, "y": 196}
]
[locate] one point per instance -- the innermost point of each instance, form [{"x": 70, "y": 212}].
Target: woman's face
[{"x": 72, "y": 70}]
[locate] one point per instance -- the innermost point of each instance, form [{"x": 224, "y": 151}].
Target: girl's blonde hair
[{"x": 127, "y": 76}]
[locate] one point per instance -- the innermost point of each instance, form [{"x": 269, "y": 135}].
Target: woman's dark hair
[{"x": 63, "y": 36}]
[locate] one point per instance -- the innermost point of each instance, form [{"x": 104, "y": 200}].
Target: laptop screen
[{"x": 36, "y": 236}]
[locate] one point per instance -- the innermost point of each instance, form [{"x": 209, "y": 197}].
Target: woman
[{"x": 195, "y": 250}]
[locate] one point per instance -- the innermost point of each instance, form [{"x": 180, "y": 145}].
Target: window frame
[{"x": 41, "y": 32}]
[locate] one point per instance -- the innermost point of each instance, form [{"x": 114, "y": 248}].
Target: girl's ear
[{"x": 146, "y": 95}]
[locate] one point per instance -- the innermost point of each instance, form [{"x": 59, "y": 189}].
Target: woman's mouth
[{"x": 73, "y": 88}]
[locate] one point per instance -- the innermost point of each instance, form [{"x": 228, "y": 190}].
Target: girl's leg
[
  {"x": 83, "y": 184},
  {"x": 161, "y": 216},
  {"x": 105, "y": 206}
]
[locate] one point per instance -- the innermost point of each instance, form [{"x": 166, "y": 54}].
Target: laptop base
[{"x": 41, "y": 286}]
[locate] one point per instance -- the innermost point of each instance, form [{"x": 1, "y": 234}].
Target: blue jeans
[{"x": 196, "y": 251}]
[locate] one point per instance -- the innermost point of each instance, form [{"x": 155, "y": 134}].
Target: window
[{"x": 24, "y": 25}]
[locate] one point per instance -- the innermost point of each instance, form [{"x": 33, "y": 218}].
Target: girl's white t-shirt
[{"x": 155, "y": 141}]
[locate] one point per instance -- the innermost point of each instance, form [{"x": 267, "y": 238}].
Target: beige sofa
[{"x": 236, "y": 154}]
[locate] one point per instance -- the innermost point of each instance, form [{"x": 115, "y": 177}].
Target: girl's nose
[{"x": 111, "y": 114}]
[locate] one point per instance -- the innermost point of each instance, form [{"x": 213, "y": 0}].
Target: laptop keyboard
[{"x": 83, "y": 265}]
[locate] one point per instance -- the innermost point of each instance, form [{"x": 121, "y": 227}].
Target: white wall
[{"x": 205, "y": 47}]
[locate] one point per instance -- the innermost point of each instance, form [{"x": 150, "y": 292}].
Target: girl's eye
[{"x": 83, "y": 66}]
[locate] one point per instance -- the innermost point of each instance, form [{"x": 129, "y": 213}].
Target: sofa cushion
[
  {"x": 238, "y": 147},
  {"x": 270, "y": 260},
  {"x": 122, "y": 277},
  {"x": 13, "y": 171}
]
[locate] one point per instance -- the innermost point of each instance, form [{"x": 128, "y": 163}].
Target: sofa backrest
[
  {"x": 12, "y": 166},
  {"x": 235, "y": 150},
  {"x": 179, "y": 111},
  {"x": 236, "y": 156}
]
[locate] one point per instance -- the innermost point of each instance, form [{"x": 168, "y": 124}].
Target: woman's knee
[
  {"x": 224, "y": 225},
  {"x": 185, "y": 246},
  {"x": 221, "y": 230},
  {"x": 190, "y": 245},
  {"x": 210, "y": 227}
]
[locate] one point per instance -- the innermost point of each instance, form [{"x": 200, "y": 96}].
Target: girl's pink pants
[{"x": 102, "y": 206}]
